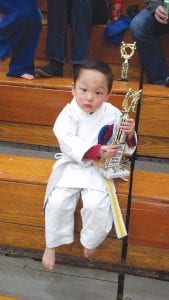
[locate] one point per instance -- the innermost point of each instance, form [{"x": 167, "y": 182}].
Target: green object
[{"x": 166, "y": 6}]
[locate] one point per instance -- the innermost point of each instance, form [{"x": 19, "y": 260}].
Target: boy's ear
[
  {"x": 73, "y": 88},
  {"x": 107, "y": 97}
]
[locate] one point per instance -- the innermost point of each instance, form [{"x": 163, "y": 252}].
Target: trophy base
[
  {"x": 123, "y": 79},
  {"x": 111, "y": 173}
]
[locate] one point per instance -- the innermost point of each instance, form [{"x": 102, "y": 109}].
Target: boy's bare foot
[
  {"x": 28, "y": 76},
  {"x": 89, "y": 252},
  {"x": 48, "y": 259}
]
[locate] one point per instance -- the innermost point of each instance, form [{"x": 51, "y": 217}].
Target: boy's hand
[
  {"x": 128, "y": 127},
  {"x": 108, "y": 151}
]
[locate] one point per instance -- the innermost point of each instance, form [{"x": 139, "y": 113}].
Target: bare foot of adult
[
  {"x": 89, "y": 252},
  {"x": 48, "y": 259},
  {"x": 28, "y": 76}
]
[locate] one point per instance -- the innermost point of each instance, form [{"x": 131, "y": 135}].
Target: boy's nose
[{"x": 89, "y": 96}]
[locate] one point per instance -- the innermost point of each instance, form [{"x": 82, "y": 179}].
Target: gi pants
[
  {"x": 20, "y": 27},
  {"x": 96, "y": 216}
]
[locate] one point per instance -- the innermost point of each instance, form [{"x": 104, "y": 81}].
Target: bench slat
[
  {"x": 144, "y": 223},
  {"x": 153, "y": 147},
  {"x": 29, "y": 237},
  {"x": 20, "y": 208},
  {"x": 154, "y": 119},
  {"x": 28, "y": 134},
  {"x": 144, "y": 257}
]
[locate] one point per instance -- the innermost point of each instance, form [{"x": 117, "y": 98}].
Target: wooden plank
[
  {"x": 149, "y": 223},
  {"x": 23, "y": 204},
  {"x": 150, "y": 185},
  {"x": 19, "y": 105},
  {"x": 153, "y": 127},
  {"x": 154, "y": 90},
  {"x": 43, "y": 135},
  {"x": 36, "y": 171},
  {"x": 30, "y": 237},
  {"x": 150, "y": 210},
  {"x": 28, "y": 134},
  {"x": 144, "y": 257},
  {"x": 27, "y": 170},
  {"x": 57, "y": 83},
  {"x": 30, "y": 105},
  {"x": 153, "y": 147},
  {"x": 154, "y": 114}
]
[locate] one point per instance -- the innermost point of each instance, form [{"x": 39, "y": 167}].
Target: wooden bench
[
  {"x": 22, "y": 225},
  {"x": 19, "y": 106},
  {"x": 20, "y": 122},
  {"x": 28, "y": 111}
]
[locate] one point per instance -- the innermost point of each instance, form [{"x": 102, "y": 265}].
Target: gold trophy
[
  {"x": 126, "y": 51},
  {"x": 113, "y": 167}
]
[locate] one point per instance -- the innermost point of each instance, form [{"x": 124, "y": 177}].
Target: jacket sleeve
[{"x": 153, "y": 4}]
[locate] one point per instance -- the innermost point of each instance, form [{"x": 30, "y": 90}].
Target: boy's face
[{"x": 90, "y": 90}]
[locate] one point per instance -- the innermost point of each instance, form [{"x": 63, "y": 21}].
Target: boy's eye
[
  {"x": 83, "y": 90},
  {"x": 99, "y": 93}
]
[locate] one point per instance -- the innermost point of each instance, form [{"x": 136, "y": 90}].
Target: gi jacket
[{"x": 77, "y": 131}]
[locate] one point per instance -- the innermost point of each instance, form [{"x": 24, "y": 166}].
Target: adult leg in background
[
  {"x": 19, "y": 33},
  {"x": 56, "y": 39},
  {"x": 81, "y": 22},
  {"x": 145, "y": 31}
]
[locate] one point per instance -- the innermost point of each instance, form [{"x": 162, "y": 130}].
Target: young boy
[{"x": 75, "y": 174}]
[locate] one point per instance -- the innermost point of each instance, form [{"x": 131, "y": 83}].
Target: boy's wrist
[
  {"x": 131, "y": 140},
  {"x": 102, "y": 151},
  {"x": 130, "y": 136}
]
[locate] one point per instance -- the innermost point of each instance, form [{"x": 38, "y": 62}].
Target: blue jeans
[
  {"x": 20, "y": 28},
  {"x": 81, "y": 19},
  {"x": 145, "y": 31}
]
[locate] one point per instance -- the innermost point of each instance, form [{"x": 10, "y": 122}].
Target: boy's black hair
[{"x": 97, "y": 65}]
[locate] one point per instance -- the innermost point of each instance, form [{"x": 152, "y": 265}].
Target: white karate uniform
[{"x": 72, "y": 176}]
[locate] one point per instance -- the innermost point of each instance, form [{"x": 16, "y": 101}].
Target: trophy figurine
[
  {"x": 126, "y": 51},
  {"x": 113, "y": 167}
]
